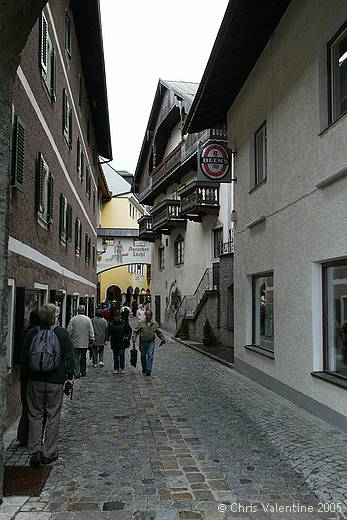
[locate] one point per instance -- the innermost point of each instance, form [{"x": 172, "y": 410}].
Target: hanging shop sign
[{"x": 214, "y": 163}]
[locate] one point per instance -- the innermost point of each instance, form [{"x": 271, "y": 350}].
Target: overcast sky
[{"x": 145, "y": 40}]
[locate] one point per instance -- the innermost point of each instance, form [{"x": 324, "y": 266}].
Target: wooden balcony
[
  {"x": 166, "y": 216},
  {"x": 199, "y": 199},
  {"x": 146, "y": 232}
]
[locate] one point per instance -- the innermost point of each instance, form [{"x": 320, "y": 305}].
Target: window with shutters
[
  {"x": 94, "y": 201},
  {"x": 259, "y": 174},
  {"x": 78, "y": 236},
  {"x": 67, "y": 119},
  {"x": 80, "y": 159},
  {"x": 86, "y": 248},
  {"x": 88, "y": 183},
  {"x": 80, "y": 102},
  {"x": 93, "y": 255},
  {"x": 63, "y": 219},
  {"x": 47, "y": 60},
  {"x": 18, "y": 154},
  {"x": 68, "y": 35},
  {"x": 44, "y": 193}
]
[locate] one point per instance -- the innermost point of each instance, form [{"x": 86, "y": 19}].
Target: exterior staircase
[{"x": 191, "y": 304}]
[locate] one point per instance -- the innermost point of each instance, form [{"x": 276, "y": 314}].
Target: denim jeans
[
  {"x": 147, "y": 352},
  {"x": 118, "y": 358}
]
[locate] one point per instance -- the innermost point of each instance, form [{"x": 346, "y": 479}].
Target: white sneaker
[
  {"x": 122, "y": 370},
  {"x": 101, "y": 364},
  {"x": 116, "y": 371},
  {"x": 95, "y": 366}
]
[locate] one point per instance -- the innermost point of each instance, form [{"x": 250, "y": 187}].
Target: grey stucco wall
[{"x": 304, "y": 225}]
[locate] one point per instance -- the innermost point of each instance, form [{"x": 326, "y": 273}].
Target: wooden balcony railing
[
  {"x": 167, "y": 216},
  {"x": 166, "y": 166},
  {"x": 199, "y": 199},
  {"x": 145, "y": 229}
]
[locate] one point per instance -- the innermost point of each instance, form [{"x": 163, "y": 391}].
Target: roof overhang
[
  {"x": 88, "y": 26},
  {"x": 245, "y": 30}
]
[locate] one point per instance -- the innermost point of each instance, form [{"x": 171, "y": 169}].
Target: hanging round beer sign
[{"x": 214, "y": 161}]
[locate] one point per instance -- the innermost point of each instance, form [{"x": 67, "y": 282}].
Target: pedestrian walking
[
  {"x": 141, "y": 313},
  {"x": 23, "y": 425},
  {"x": 147, "y": 330},
  {"x": 47, "y": 365},
  {"x": 134, "y": 307},
  {"x": 119, "y": 332},
  {"x": 100, "y": 333},
  {"x": 81, "y": 331}
]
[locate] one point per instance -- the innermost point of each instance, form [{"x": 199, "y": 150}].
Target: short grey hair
[
  {"x": 47, "y": 314},
  {"x": 81, "y": 309}
]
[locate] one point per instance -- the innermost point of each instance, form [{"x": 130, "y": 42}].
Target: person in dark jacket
[
  {"x": 119, "y": 332},
  {"x": 23, "y": 426},
  {"x": 45, "y": 392}
]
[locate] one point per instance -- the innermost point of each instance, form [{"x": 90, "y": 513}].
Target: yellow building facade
[{"x": 119, "y": 218}]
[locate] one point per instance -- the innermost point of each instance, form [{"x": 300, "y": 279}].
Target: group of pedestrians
[{"x": 52, "y": 357}]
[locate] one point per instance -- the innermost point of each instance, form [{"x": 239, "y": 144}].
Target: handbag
[
  {"x": 126, "y": 342},
  {"x": 133, "y": 357}
]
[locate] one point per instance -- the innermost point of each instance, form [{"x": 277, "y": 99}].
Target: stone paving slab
[{"x": 195, "y": 437}]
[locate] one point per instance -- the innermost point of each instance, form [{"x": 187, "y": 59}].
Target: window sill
[
  {"x": 333, "y": 177},
  {"x": 331, "y": 378},
  {"x": 332, "y": 124},
  {"x": 252, "y": 190},
  {"x": 255, "y": 222},
  {"x": 260, "y": 350}
]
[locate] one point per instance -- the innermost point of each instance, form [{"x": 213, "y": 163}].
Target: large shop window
[
  {"x": 263, "y": 311},
  {"x": 337, "y": 55},
  {"x": 335, "y": 317}
]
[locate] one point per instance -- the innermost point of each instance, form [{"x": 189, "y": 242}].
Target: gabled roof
[
  {"x": 245, "y": 30},
  {"x": 116, "y": 183},
  {"x": 88, "y": 27},
  {"x": 185, "y": 90}
]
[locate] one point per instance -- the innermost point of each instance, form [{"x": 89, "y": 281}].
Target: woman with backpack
[{"x": 119, "y": 332}]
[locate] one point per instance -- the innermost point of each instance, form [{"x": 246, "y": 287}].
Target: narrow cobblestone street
[{"x": 194, "y": 436}]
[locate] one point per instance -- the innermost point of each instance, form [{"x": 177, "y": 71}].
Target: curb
[{"x": 212, "y": 356}]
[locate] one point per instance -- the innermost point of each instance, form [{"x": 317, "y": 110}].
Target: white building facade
[
  {"x": 287, "y": 124},
  {"x": 192, "y": 238}
]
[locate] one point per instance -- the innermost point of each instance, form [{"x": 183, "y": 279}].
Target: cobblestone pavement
[{"x": 193, "y": 437}]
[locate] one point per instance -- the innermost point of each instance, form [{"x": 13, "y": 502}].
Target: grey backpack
[{"x": 45, "y": 351}]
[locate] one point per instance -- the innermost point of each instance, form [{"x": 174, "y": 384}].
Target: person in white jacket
[{"x": 82, "y": 335}]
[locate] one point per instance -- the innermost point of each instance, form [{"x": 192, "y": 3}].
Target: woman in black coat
[{"x": 119, "y": 332}]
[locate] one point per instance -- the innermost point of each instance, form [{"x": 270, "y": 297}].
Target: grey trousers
[{"x": 44, "y": 401}]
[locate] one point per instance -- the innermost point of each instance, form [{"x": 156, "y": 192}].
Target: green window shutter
[
  {"x": 78, "y": 155},
  {"x": 80, "y": 236},
  {"x": 40, "y": 179},
  {"x": 76, "y": 236},
  {"x": 43, "y": 42},
  {"x": 62, "y": 219},
  {"x": 53, "y": 76},
  {"x": 69, "y": 222},
  {"x": 89, "y": 249},
  {"x": 18, "y": 154},
  {"x": 50, "y": 199},
  {"x": 82, "y": 165},
  {"x": 65, "y": 112},
  {"x": 87, "y": 179},
  {"x": 70, "y": 128},
  {"x": 86, "y": 248}
]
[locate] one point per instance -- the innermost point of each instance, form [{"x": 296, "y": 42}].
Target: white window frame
[
  {"x": 335, "y": 94},
  {"x": 260, "y": 166}
]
